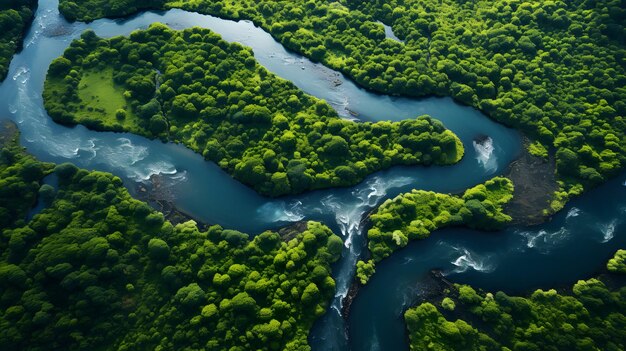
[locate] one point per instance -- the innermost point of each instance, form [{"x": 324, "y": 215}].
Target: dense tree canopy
[
  {"x": 95, "y": 9},
  {"x": 96, "y": 269},
  {"x": 554, "y": 69},
  {"x": 15, "y": 19},
  {"x": 194, "y": 88},
  {"x": 414, "y": 215},
  {"x": 589, "y": 317}
]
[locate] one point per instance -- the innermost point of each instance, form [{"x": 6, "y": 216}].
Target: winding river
[{"x": 572, "y": 246}]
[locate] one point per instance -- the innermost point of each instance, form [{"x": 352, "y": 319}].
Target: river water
[{"x": 512, "y": 260}]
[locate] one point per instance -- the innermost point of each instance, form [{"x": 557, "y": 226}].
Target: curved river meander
[{"x": 572, "y": 246}]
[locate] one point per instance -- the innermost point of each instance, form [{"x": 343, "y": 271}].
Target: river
[{"x": 204, "y": 191}]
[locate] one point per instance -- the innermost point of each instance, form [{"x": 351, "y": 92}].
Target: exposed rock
[
  {"x": 290, "y": 232},
  {"x": 158, "y": 195},
  {"x": 535, "y": 183}
]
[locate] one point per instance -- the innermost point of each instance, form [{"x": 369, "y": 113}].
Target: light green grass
[{"x": 101, "y": 98}]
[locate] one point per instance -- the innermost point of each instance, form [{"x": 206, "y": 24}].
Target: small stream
[{"x": 204, "y": 191}]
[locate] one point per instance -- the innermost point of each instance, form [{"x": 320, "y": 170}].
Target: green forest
[
  {"x": 412, "y": 216},
  {"x": 15, "y": 19},
  {"x": 97, "y": 270},
  {"x": 194, "y": 88},
  {"x": 85, "y": 265},
  {"x": 589, "y": 316},
  {"x": 553, "y": 69}
]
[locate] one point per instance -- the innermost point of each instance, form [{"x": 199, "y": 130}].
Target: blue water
[
  {"x": 206, "y": 192},
  {"x": 574, "y": 245}
]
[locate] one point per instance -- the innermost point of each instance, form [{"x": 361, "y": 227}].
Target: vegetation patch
[
  {"x": 15, "y": 19},
  {"x": 97, "y": 269},
  {"x": 94, "y": 9},
  {"x": 104, "y": 100},
  {"x": 415, "y": 215},
  {"x": 553, "y": 69},
  {"x": 20, "y": 177},
  {"x": 194, "y": 88},
  {"x": 588, "y": 317}
]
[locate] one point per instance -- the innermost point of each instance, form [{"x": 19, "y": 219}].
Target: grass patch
[{"x": 101, "y": 98}]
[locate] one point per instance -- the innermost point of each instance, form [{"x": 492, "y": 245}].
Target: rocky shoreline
[
  {"x": 158, "y": 195},
  {"x": 535, "y": 182},
  {"x": 291, "y": 231},
  {"x": 346, "y": 303}
]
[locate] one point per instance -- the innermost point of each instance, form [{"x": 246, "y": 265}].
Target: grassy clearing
[{"x": 101, "y": 97}]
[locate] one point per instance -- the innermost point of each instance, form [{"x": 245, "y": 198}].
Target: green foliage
[
  {"x": 538, "y": 149},
  {"x": 79, "y": 10},
  {"x": 428, "y": 329},
  {"x": 194, "y": 88},
  {"x": 617, "y": 264},
  {"x": 590, "y": 317},
  {"x": 46, "y": 194},
  {"x": 158, "y": 249},
  {"x": 448, "y": 304},
  {"x": 415, "y": 215},
  {"x": 20, "y": 180},
  {"x": 15, "y": 19},
  {"x": 554, "y": 69},
  {"x": 97, "y": 269},
  {"x": 364, "y": 270}
]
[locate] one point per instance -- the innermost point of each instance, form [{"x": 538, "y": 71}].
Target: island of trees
[
  {"x": 97, "y": 269},
  {"x": 194, "y": 88},
  {"x": 15, "y": 19},
  {"x": 553, "y": 69},
  {"x": 414, "y": 215},
  {"x": 590, "y": 316}
]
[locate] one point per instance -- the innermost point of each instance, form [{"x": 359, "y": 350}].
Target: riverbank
[
  {"x": 463, "y": 303},
  {"x": 8, "y": 131},
  {"x": 534, "y": 179},
  {"x": 157, "y": 194},
  {"x": 534, "y": 183},
  {"x": 352, "y": 293},
  {"x": 355, "y": 286},
  {"x": 292, "y": 231},
  {"x": 17, "y": 41}
]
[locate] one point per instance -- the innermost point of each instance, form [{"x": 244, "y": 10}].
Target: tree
[
  {"x": 567, "y": 161},
  {"x": 335, "y": 246},
  {"x": 12, "y": 275},
  {"x": 190, "y": 296},
  {"x": 158, "y": 249},
  {"x": 120, "y": 114},
  {"x": 311, "y": 294},
  {"x": 60, "y": 67},
  {"x": 243, "y": 304}
]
